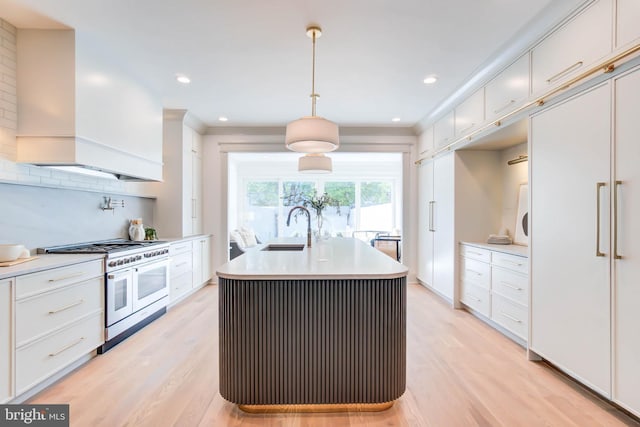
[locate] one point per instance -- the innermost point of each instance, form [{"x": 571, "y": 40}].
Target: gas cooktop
[{"x": 100, "y": 247}]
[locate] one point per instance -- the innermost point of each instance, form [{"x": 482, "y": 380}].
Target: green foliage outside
[
  {"x": 375, "y": 193},
  {"x": 343, "y": 192},
  {"x": 262, "y": 193}
]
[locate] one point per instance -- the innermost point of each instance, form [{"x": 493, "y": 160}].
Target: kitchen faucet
[{"x": 308, "y": 222}]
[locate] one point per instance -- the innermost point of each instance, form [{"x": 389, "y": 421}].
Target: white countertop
[
  {"x": 334, "y": 258},
  {"x": 180, "y": 239},
  {"x": 518, "y": 250},
  {"x": 46, "y": 262}
]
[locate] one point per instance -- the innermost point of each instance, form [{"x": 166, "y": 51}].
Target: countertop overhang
[{"x": 334, "y": 258}]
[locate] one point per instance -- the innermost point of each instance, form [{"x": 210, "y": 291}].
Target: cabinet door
[
  {"x": 197, "y": 263},
  {"x": 627, "y": 269},
  {"x": 572, "y": 48},
  {"x": 443, "y": 243},
  {"x": 196, "y": 196},
  {"x": 6, "y": 347},
  {"x": 206, "y": 259},
  {"x": 627, "y": 18},
  {"x": 470, "y": 114},
  {"x": 425, "y": 223},
  {"x": 570, "y": 300},
  {"x": 443, "y": 131},
  {"x": 425, "y": 141},
  {"x": 508, "y": 90},
  {"x": 188, "y": 202}
]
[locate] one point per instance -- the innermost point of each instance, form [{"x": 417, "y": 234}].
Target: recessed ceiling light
[
  {"x": 431, "y": 79},
  {"x": 395, "y": 119},
  {"x": 183, "y": 79},
  {"x": 223, "y": 118}
]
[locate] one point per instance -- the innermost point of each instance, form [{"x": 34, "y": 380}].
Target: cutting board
[{"x": 16, "y": 261}]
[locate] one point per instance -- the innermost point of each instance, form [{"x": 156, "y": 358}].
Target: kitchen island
[{"x": 317, "y": 329}]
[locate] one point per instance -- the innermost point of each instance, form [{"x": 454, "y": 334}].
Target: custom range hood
[{"x": 78, "y": 108}]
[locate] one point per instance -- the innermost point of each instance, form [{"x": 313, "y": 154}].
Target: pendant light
[
  {"x": 312, "y": 134},
  {"x": 315, "y": 163}
]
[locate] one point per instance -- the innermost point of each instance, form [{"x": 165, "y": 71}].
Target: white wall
[
  {"x": 217, "y": 143},
  {"x": 512, "y": 177}
]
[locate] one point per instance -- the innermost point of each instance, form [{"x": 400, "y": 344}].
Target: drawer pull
[
  {"x": 71, "y": 276},
  {"x": 67, "y": 347},
  {"x": 474, "y": 272},
  {"x": 475, "y": 253},
  {"x": 518, "y": 264},
  {"x": 504, "y": 107},
  {"x": 564, "y": 72},
  {"x": 474, "y": 297},
  {"x": 467, "y": 128},
  {"x": 179, "y": 248},
  {"x": 509, "y": 285},
  {"x": 510, "y": 317},
  {"x": 66, "y": 307},
  {"x": 181, "y": 264}
]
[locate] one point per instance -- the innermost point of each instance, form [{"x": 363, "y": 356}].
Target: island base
[{"x": 316, "y": 408}]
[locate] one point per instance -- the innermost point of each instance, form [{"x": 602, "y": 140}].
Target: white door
[
  {"x": 626, "y": 339},
  {"x": 425, "y": 223},
  {"x": 570, "y": 295},
  {"x": 443, "y": 221}
]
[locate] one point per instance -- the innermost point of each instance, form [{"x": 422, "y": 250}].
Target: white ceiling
[{"x": 250, "y": 60}]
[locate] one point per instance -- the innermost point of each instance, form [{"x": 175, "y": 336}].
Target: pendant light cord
[{"x": 314, "y": 95}]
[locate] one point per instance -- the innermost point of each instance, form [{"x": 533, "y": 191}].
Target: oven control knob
[
  {"x": 120, "y": 262},
  {"x": 132, "y": 259},
  {"x": 127, "y": 260},
  {"x": 166, "y": 251},
  {"x": 139, "y": 257},
  {"x": 113, "y": 264}
]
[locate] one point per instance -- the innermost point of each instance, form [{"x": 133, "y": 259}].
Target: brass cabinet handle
[
  {"x": 474, "y": 272},
  {"x": 66, "y": 307},
  {"x": 616, "y": 255},
  {"x": 509, "y": 285},
  {"x": 67, "y": 347},
  {"x": 432, "y": 204},
  {"x": 599, "y": 185},
  {"x": 504, "y": 107},
  {"x": 71, "y": 276},
  {"x": 508, "y": 316},
  {"x": 564, "y": 72}
]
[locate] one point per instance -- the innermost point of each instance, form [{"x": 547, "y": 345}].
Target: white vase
[{"x": 136, "y": 232}]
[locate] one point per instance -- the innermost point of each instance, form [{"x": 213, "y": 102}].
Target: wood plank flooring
[{"x": 461, "y": 372}]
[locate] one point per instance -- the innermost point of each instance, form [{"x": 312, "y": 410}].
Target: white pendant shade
[
  {"x": 312, "y": 134},
  {"x": 315, "y": 163}
]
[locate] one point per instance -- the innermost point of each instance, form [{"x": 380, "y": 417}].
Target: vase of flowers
[{"x": 314, "y": 202}]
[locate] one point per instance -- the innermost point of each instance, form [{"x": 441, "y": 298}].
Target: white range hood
[{"x": 78, "y": 108}]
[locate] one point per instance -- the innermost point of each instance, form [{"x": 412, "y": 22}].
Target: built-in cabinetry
[
  {"x": 627, "y": 18},
  {"x": 469, "y": 115},
  {"x": 573, "y": 48},
  {"x": 6, "y": 340},
  {"x": 495, "y": 284},
  {"x": 508, "y": 90},
  {"x": 178, "y": 210},
  {"x": 190, "y": 266},
  {"x": 59, "y": 317},
  {"x": 584, "y": 260},
  {"x": 444, "y": 131},
  {"x": 425, "y": 142}
]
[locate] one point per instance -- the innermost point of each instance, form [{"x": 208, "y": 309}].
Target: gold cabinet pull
[
  {"x": 616, "y": 255},
  {"x": 599, "y": 185},
  {"x": 71, "y": 276},
  {"x": 509, "y": 285},
  {"x": 467, "y": 128},
  {"x": 508, "y": 316},
  {"x": 504, "y": 107},
  {"x": 66, "y": 307},
  {"x": 66, "y": 347},
  {"x": 564, "y": 72}
]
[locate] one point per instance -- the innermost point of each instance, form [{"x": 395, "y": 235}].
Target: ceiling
[{"x": 250, "y": 60}]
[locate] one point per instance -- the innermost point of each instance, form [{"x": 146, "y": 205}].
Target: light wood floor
[{"x": 460, "y": 373}]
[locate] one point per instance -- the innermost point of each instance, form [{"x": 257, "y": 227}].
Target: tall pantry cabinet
[{"x": 585, "y": 265}]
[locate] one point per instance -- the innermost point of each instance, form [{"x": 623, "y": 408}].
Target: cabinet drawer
[
  {"x": 475, "y": 271},
  {"x": 510, "y": 315},
  {"x": 483, "y": 255},
  {"x": 514, "y": 286},
  {"x": 572, "y": 48},
  {"x": 181, "y": 264},
  {"x": 43, "y": 358},
  {"x": 39, "y": 315},
  {"x": 476, "y": 298},
  {"x": 512, "y": 262},
  {"x": 31, "y": 284},
  {"x": 179, "y": 248},
  {"x": 180, "y": 285}
]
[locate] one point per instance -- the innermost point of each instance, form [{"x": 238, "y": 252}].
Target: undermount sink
[{"x": 284, "y": 247}]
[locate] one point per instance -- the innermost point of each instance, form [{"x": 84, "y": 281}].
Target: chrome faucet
[{"x": 308, "y": 222}]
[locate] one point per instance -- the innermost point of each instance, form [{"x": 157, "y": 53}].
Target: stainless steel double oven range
[{"x": 136, "y": 283}]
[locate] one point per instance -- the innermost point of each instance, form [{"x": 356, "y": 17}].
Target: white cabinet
[
  {"x": 572, "y": 48},
  {"x": 570, "y": 295},
  {"x": 444, "y": 131},
  {"x": 495, "y": 284},
  {"x": 626, "y": 248},
  {"x": 508, "y": 90},
  {"x": 6, "y": 341},
  {"x": 196, "y": 183},
  {"x": 470, "y": 114},
  {"x": 59, "y": 317},
  {"x": 181, "y": 269},
  {"x": 425, "y": 142},
  {"x": 201, "y": 261},
  {"x": 627, "y": 18},
  {"x": 436, "y": 255}
]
